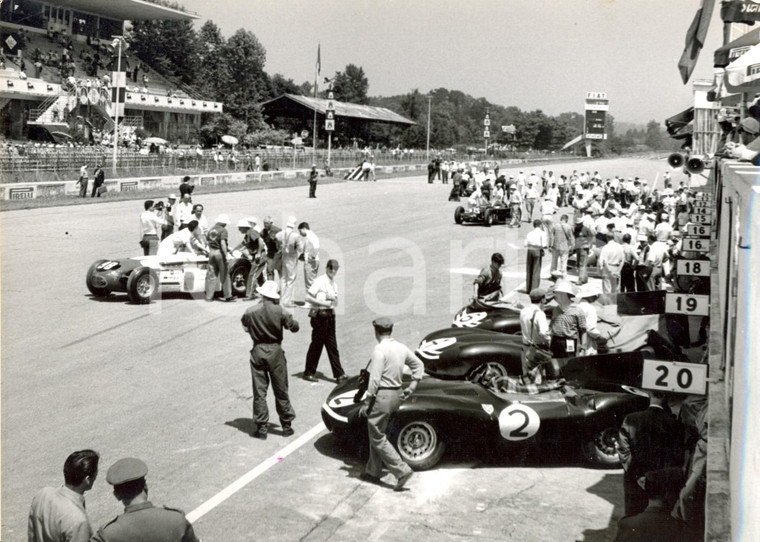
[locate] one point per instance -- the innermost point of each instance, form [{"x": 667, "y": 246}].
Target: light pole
[
  {"x": 117, "y": 101},
  {"x": 427, "y": 152}
]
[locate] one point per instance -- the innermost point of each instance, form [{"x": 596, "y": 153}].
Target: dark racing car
[
  {"x": 487, "y": 214},
  {"x": 443, "y": 412},
  {"x": 144, "y": 278}
]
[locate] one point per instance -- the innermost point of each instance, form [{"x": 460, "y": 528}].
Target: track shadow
[
  {"x": 610, "y": 488},
  {"x": 319, "y": 374},
  {"x": 247, "y": 426}
]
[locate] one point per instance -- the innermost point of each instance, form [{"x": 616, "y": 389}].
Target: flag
[
  {"x": 319, "y": 59},
  {"x": 695, "y": 39}
]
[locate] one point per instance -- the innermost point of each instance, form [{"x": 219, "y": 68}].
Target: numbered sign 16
[
  {"x": 694, "y": 268},
  {"x": 674, "y": 376},
  {"x": 692, "y": 304},
  {"x": 698, "y": 230},
  {"x": 700, "y": 219},
  {"x": 695, "y": 245}
]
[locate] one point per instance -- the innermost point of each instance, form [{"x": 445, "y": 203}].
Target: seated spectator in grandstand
[
  {"x": 185, "y": 187},
  {"x": 185, "y": 240}
]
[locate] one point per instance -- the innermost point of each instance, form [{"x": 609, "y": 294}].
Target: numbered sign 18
[
  {"x": 700, "y": 219},
  {"x": 692, "y": 304},
  {"x": 674, "y": 376},
  {"x": 694, "y": 268},
  {"x": 698, "y": 230},
  {"x": 695, "y": 245}
]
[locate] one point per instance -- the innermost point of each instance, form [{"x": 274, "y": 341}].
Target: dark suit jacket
[
  {"x": 653, "y": 525},
  {"x": 650, "y": 439}
]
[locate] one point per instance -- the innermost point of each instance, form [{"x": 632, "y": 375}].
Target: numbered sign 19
[
  {"x": 695, "y": 245},
  {"x": 691, "y": 304},
  {"x": 694, "y": 268},
  {"x": 698, "y": 230},
  {"x": 700, "y": 219},
  {"x": 674, "y": 376}
]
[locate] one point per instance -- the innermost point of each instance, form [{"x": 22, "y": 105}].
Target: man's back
[
  {"x": 147, "y": 522},
  {"x": 650, "y": 439},
  {"x": 58, "y": 514}
]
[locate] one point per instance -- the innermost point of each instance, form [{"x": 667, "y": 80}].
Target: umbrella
[
  {"x": 155, "y": 140},
  {"x": 63, "y": 135},
  {"x": 230, "y": 140},
  {"x": 733, "y": 50},
  {"x": 743, "y": 74}
]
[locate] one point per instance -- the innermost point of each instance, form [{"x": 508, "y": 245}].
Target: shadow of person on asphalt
[
  {"x": 610, "y": 488},
  {"x": 246, "y": 425}
]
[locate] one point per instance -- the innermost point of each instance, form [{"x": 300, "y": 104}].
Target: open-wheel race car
[
  {"x": 443, "y": 412},
  {"x": 144, "y": 278},
  {"x": 487, "y": 214}
]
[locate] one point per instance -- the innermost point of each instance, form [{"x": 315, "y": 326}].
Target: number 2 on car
[
  {"x": 674, "y": 376},
  {"x": 691, "y": 304}
]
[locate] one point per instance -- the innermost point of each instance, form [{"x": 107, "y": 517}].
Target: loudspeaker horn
[
  {"x": 676, "y": 160},
  {"x": 695, "y": 165}
]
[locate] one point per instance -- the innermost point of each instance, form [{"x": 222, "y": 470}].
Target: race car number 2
[{"x": 518, "y": 422}]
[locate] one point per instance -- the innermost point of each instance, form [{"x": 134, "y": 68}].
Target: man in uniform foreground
[
  {"x": 141, "y": 520},
  {"x": 264, "y": 322},
  {"x": 384, "y": 396}
]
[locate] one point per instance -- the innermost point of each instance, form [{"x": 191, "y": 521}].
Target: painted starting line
[{"x": 254, "y": 473}]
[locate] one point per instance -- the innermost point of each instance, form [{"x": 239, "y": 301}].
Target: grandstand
[{"x": 55, "y": 77}]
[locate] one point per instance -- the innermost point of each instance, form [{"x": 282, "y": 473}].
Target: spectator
[
  {"x": 274, "y": 256},
  {"x": 630, "y": 261},
  {"x": 568, "y": 322},
  {"x": 313, "y": 178},
  {"x": 292, "y": 244},
  {"x": 562, "y": 241},
  {"x": 535, "y": 332},
  {"x": 536, "y": 242},
  {"x": 657, "y": 255},
  {"x": 83, "y": 181},
  {"x": 168, "y": 215},
  {"x": 150, "y": 223},
  {"x": 610, "y": 264},
  {"x": 200, "y": 218},
  {"x": 99, "y": 178},
  {"x": 592, "y": 339},
  {"x": 310, "y": 254},
  {"x": 584, "y": 237},
  {"x": 515, "y": 205},
  {"x": 185, "y": 187},
  {"x": 58, "y": 514},
  {"x": 183, "y": 213}
]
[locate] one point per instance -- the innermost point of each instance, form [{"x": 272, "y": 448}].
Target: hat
[
  {"x": 751, "y": 125},
  {"x": 269, "y": 289},
  {"x": 252, "y": 220},
  {"x": 589, "y": 290},
  {"x": 267, "y": 220},
  {"x": 126, "y": 470},
  {"x": 537, "y": 294},
  {"x": 222, "y": 219},
  {"x": 579, "y": 219},
  {"x": 383, "y": 324},
  {"x": 512, "y": 187},
  {"x": 291, "y": 222},
  {"x": 564, "y": 286},
  {"x": 641, "y": 237},
  {"x": 172, "y": 196},
  {"x": 243, "y": 223},
  {"x": 664, "y": 216}
]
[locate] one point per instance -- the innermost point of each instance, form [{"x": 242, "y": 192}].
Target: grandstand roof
[
  {"x": 127, "y": 10},
  {"x": 289, "y": 105}
]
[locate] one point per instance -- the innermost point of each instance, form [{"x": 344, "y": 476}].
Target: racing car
[
  {"x": 444, "y": 412},
  {"x": 145, "y": 278},
  {"x": 487, "y": 214}
]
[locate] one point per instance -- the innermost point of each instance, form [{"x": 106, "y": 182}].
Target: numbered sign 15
[
  {"x": 695, "y": 245},
  {"x": 700, "y": 219},
  {"x": 694, "y": 268},
  {"x": 698, "y": 230},
  {"x": 692, "y": 304},
  {"x": 674, "y": 376}
]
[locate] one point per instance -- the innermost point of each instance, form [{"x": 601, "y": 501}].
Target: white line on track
[{"x": 252, "y": 474}]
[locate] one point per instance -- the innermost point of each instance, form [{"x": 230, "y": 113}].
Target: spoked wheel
[
  {"x": 459, "y": 215},
  {"x": 239, "y": 277},
  {"x": 420, "y": 445},
  {"x": 602, "y": 447},
  {"x": 491, "y": 368},
  {"x": 142, "y": 285}
]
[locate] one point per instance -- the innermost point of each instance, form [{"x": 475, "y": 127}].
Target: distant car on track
[
  {"x": 442, "y": 412},
  {"x": 488, "y": 214},
  {"x": 144, "y": 278}
]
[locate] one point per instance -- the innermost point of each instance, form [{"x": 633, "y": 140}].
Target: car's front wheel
[
  {"x": 94, "y": 290},
  {"x": 239, "y": 272},
  {"x": 459, "y": 215},
  {"x": 489, "y": 218},
  {"x": 420, "y": 445},
  {"x": 601, "y": 447},
  {"x": 143, "y": 285}
]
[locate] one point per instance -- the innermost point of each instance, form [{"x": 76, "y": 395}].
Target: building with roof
[{"x": 59, "y": 61}]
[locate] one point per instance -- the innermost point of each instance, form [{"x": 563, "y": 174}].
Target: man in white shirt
[
  {"x": 150, "y": 226},
  {"x": 610, "y": 264},
  {"x": 592, "y": 338},
  {"x": 183, "y": 212},
  {"x": 310, "y": 254},
  {"x": 663, "y": 230},
  {"x": 292, "y": 247},
  {"x": 536, "y": 241},
  {"x": 185, "y": 240},
  {"x": 535, "y": 330},
  {"x": 656, "y": 257}
]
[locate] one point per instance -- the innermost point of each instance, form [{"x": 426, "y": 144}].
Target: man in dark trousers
[
  {"x": 99, "y": 178},
  {"x": 650, "y": 440},
  {"x": 536, "y": 242},
  {"x": 264, "y": 322},
  {"x": 141, "y": 520},
  {"x": 274, "y": 257},
  {"x": 218, "y": 270},
  {"x": 313, "y": 177}
]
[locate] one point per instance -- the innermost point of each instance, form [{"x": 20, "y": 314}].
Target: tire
[
  {"x": 143, "y": 286},
  {"x": 239, "y": 276},
  {"x": 488, "y": 218},
  {"x": 94, "y": 290},
  {"x": 419, "y": 444},
  {"x": 459, "y": 215},
  {"x": 600, "y": 448}
]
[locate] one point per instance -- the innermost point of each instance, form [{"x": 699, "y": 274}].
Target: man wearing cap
[
  {"x": 217, "y": 260},
  {"x": 141, "y": 520},
  {"x": 593, "y": 338},
  {"x": 253, "y": 249},
  {"x": 610, "y": 264},
  {"x": 292, "y": 244},
  {"x": 264, "y": 322},
  {"x": 531, "y": 195},
  {"x": 535, "y": 331},
  {"x": 568, "y": 322},
  {"x": 383, "y": 399},
  {"x": 313, "y": 177},
  {"x": 59, "y": 514}
]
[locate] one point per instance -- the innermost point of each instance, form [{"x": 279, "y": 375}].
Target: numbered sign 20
[
  {"x": 691, "y": 304},
  {"x": 700, "y": 219},
  {"x": 694, "y": 268},
  {"x": 695, "y": 245},
  {"x": 698, "y": 230},
  {"x": 674, "y": 376}
]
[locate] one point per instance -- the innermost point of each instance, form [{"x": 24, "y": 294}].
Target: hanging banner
[
  {"x": 596, "y": 108},
  {"x": 740, "y": 11}
]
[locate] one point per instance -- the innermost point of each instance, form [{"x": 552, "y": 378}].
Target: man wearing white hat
[
  {"x": 568, "y": 322},
  {"x": 254, "y": 249},
  {"x": 292, "y": 247},
  {"x": 264, "y": 322},
  {"x": 593, "y": 337},
  {"x": 217, "y": 260}
]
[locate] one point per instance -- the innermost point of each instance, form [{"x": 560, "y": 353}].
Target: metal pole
[
  {"x": 427, "y": 151},
  {"x": 314, "y": 142},
  {"x": 116, "y": 110},
  {"x": 329, "y": 147}
]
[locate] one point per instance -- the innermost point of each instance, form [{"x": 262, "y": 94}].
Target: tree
[
  {"x": 280, "y": 85},
  {"x": 248, "y": 84},
  {"x": 653, "y": 138},
  {"x": 170, "y": 47},
  {"x": 213, "y": 73},
  {"x": 351, "y": 85}
]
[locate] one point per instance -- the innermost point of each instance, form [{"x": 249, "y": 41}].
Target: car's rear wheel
[
  {"x": 420, "y": 445},
  {"x": 459, "y": 215},
  {"x": 239, "y": 276},
  {"x": 601, "y": 447},
  {"x": 489, "y": 218},
  {"x": 143, "y": 285},
  {"x": 94, "y": 290}
]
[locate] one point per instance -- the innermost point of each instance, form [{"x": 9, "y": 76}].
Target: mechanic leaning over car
[
  {"x": 487, "y": 285},
  {"x": 383, "y": 399}
]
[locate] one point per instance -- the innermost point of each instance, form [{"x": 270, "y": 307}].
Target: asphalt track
[{"x": 170, "y": 382}]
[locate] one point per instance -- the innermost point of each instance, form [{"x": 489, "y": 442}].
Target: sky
[{"x": 533, "y": 54}]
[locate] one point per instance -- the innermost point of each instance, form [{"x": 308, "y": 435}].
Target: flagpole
[{"x": 317, "y": 69}]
